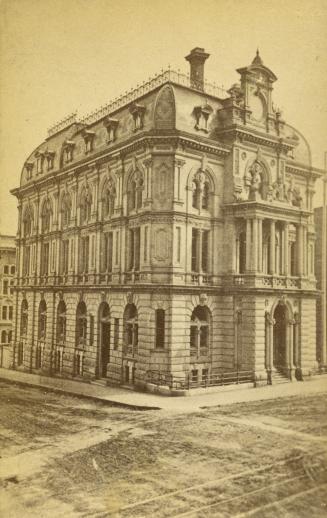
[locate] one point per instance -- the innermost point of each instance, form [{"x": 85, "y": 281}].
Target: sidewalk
[{"x": 145, "y": 401}]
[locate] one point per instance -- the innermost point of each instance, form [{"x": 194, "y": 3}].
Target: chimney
[{"x": 196, "y": 58}]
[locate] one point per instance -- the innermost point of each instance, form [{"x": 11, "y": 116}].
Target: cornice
[
  {"x": 236, "y": 132},
  {"x": 254, "y": 208}
]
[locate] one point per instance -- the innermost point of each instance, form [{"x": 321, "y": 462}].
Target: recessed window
[
  {"x": 6, "y": 270},
  {"x": 5, "y": 285},
  {"x": 12, "y": 270},
  {"x": 160, "y": 328}
]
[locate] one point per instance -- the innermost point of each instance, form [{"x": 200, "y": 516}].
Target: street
[{"x": 67, "y": 456}]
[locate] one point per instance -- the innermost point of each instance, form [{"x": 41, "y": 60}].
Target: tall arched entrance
[
  {"x": 280, "y": 360},
  {"x": 104, "y": 342}
]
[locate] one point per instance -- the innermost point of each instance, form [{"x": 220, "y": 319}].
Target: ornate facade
[{"x": 169, "y": 236}]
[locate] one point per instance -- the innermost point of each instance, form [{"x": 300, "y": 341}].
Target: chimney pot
[{"x": 197, "y": 58}]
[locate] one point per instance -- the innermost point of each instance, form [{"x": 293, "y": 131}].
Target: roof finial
[{"x": 257, "y": 60}]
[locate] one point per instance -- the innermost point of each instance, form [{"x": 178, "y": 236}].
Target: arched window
[
  {"x": 27, "y": 223},
  {"x": 3, "y": 337},
  {"x": 195, "y": 195},
  {"x": 45, "y": 217},
  {"x": 130, "y": 329},
  {"x": 199, "y": 332},
  {"x": 205, "y": 195},
  {"x": 65, "y": 210},
  {"x": 81, "y": 325},
  {"x": 85, "y": 207},
  {"x": 200, "y": 191},
  {"x": 24, "y": 318},
  {"x": 42, "y": 320},
  {"x": 9, "y": 337},
  {"x": 61, "y": 322}
]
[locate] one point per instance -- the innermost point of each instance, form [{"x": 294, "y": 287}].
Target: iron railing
[{"x": 189, "y": 381}]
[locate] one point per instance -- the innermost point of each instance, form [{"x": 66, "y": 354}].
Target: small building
[
  {"x": 7, "y": 281},
  {"x": 168, "y": 238}
]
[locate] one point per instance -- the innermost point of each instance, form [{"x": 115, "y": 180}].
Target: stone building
[
  {"x": 7, "y": 279},
  {"x": 169, "y": 238},
  {"x": 321, "y": 274}
]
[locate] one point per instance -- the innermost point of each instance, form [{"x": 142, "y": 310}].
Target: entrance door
[
  {"x": 279, "y": 356},
  {"x": 105, "y": 347}
]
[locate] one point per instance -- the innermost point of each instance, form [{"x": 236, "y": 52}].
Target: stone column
[
  {"x": 148, "y": 179},
  {"x": 286, "y": 250},
  {"x": 259, "y": 245},
  {"x": 272, "y": 246},
  {"x": 254, "y": 245},
  {"x": 305, "y": 251},
  {"x": 289, "y": 348},
  {"x": 299, "y": 232},
  {"x": 248, "y": 245},
  {"x": 178, "y": 164},
  {"x": 199, "y": 254}
]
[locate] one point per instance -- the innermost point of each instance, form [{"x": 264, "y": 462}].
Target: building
[
  {"x": 321, "y": 274},
  {"x": 169, "y": 238},
  {"x": 7, "y": 280}
]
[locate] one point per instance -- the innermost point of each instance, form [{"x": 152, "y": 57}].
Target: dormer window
[
  {"x": 137, "y": 111},
  {"x": 49, "y": 155},
  {"x": 29, "y": 168},
  {"x": 111, "y": 127},
  {"x": 68, "y": 151},
  {"x": 39, "y": 162},
  {"x": 88, "y": 137},
  {"x": 202, "y": 116}
]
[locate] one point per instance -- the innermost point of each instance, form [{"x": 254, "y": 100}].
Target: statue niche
[{"x": 256, "y": 182}]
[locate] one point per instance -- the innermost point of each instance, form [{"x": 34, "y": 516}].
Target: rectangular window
[
  {"x": 93, "y": 250},
  {"x": 194, "y": 376},
  {"x": 45, "y": 259},
  {"x": 5, "y": 287},
  {"x": 178, "y": 244},
  {"x": 64, "y": 257},
  {"x": 91, "y": 329},
  {"x": 85, "y": 242},
  {"x": 117, "y": 246},
  {"x": 205, "y": 250},
  {"x": 145, "y": 244},
  {"x": 11, "y": 287},
  {"x": 10, "y": 313},
  {"x": 160, "y": 328},
  {"x": 12, "y": 270},
  {"x": 195, "y": 240},
  {"x": 6, "y": 270},
  {"x": 26, "y": 260},
  {"x": 4, "y": 312},
  {"x": 205, "y": 376},
  {"x": 53, "y": 265},
  {"x": 109, "y": 251},
  {"x": 116, "y": 333},
  {"x": 131, "y": 249},
  {"x": 137, "y": 249}
]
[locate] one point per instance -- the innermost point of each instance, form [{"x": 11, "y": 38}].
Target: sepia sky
[{"x": 57, "y": 56}]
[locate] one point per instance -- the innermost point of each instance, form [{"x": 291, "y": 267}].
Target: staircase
[
  {"x": 278, "y": 377},
  {"x": 101, "y": 382}
]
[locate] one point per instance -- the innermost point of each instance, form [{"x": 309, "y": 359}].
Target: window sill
[{"x": 159, "y": 350}]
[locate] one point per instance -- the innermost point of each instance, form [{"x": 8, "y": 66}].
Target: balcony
[{"x": 272, "y": 281}]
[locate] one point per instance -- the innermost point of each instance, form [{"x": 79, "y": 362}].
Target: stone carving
[
  {"x": 203, "y": 299},
  {"x": 253, "y": 181}
]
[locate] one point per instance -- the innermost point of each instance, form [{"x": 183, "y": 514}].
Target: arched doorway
[
  {"x": 280, "y": 337},
  {"x": 104, "y": 357}
]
